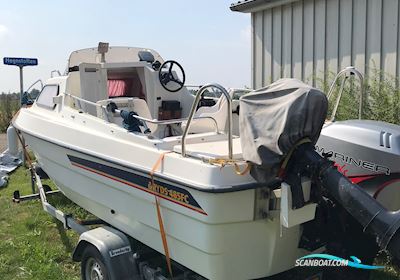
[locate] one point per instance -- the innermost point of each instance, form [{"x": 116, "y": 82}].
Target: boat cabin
[
  {"x": 135, "y": 89},
  {"x": 138, "y": 80}
]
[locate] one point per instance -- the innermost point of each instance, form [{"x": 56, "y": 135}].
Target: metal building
[{"x": 307, "y": 39}]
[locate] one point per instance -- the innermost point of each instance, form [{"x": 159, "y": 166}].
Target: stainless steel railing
[
  {"x": 194, "y": 108},
  {"x": 55, "y": 71},
  {"x": 31, "y": 86},
  {"x": 346, "y": 72},
  {"x": 154, "y": 121}
]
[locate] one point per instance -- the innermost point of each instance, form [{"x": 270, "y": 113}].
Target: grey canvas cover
[{"x": 273, "y": 119}]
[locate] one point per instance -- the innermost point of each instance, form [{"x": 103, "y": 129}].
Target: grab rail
[
  {"x": 55, "y": 71},
  {"x": 31, "y": 86},
  {"x": 352, "y": 71},
  {"x": 155, "y": 121},
  {"x": 81, "y": 100},
  {"x": 193, "y": 110}
]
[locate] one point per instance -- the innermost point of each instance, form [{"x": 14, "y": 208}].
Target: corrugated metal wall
[{"x": 307, "y": 38}]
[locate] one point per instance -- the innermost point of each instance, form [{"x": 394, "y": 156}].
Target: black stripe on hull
[
  {"x": 233, "y": 188},
  {"x": 161, "y": 189}
]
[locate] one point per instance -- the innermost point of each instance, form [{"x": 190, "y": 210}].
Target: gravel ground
[{"x": 3, "y": 142}]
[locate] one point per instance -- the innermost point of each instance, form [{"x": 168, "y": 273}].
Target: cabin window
[
  {"x": 45, "y": 98},
  {"x": 124, "y": 84}
]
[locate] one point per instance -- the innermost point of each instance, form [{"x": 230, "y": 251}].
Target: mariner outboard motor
[{"x": 280, "y": 125}]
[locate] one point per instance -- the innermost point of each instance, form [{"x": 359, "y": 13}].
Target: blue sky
[{"x": 211, "y": 42}]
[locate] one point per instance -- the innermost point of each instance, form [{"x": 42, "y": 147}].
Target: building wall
[{"x": 306, "y": 39}]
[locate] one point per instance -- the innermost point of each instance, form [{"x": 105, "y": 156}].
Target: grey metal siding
[{"x": 307, "y": 39}]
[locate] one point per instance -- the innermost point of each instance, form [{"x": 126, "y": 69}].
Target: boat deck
[{"x": 212, "y": 150}]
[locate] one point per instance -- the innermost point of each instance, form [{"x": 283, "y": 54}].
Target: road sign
[{"x": 20, "y": 61}]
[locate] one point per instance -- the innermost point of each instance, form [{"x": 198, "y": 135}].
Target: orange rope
[
  {"x": 223, "y": 162},
  {"x": 157, "y": 164},
  {"x": 160, "y": 220}
]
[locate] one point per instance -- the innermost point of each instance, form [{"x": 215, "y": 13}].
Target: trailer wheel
[{"x": 92, "y": 265}]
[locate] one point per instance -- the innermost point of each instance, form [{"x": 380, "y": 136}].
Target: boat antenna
[{"x": 103, "y": 49}]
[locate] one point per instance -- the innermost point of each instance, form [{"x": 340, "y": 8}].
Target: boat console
[{"x": 130, "y": 76}]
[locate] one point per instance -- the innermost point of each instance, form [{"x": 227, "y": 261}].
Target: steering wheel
[{"x": 166, "y": 76}]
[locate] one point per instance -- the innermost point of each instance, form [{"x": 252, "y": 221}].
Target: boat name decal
[
  {"x": 161, "y": 189},
  {"x": 168, "y": 192}
]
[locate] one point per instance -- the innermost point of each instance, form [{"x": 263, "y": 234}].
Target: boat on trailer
[{"x": 120, "y": 135}]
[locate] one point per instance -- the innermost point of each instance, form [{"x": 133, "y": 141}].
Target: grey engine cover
[{"x": 362, "y": 147}]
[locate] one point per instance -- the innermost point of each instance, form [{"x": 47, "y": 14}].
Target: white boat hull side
[{"x": 234, "y": 250}]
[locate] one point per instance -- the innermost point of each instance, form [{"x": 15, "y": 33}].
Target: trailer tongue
[{"x": 283, "y": 147}]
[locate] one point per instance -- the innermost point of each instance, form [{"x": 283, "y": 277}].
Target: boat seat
[
  {"x": 212, "y": 149},
  {"x": 219, "y": 112},
  {"x": 139, "y": 106}
]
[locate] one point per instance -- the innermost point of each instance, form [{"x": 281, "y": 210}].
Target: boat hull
[
  {"x": 244, "y": 249},
  {"x": 208, "y": 211}
]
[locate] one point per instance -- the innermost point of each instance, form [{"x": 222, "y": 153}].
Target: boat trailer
[{"x": 105, "y": 249}]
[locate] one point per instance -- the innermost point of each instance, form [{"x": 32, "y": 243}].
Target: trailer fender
[{"x": 113, "y": 246}]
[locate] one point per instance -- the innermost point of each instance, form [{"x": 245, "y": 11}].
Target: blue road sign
[{"x": 20, "y": 61}]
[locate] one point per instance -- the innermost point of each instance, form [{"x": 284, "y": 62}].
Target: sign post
[{"x": 21, "y": 63}]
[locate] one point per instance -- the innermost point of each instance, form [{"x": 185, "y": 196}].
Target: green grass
[
  {"x": 390, "y": 272},
  {"x": 381, "y": 97},
  {"x": 9, "y": 105},
  {"x": 33, "y": 245}
]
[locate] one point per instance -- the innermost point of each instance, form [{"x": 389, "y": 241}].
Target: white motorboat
[{"x": 113, "y": 134}]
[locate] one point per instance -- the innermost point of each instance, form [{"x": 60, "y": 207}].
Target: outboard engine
[
  {"x": 368, "y": 153},
  {"x": 279, "y": 126}
]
